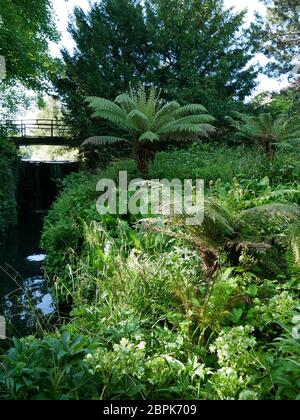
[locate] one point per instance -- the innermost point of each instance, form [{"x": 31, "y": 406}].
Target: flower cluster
[
  {"x": 236, "y": 352},
  {"x": 278, "y": 309},
  {"x": 233, "y": 348}
]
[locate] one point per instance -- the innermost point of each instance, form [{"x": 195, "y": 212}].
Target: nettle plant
[{"x": 145, "y": 120}]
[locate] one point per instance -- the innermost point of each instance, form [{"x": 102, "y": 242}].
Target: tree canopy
[
  {"x": 26, "y": 27},
  {"x": 194, "y": 51},
  {"x": 281, "y": 34},
  {"x": 202, "y": 52}
]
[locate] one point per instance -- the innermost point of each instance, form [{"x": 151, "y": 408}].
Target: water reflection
[
  {"x": 36, "y": 258},
  {"x": 25, "y": 299}
]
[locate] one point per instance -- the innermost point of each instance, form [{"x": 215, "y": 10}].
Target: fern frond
[
  {"x": 280, "y": 215},
  {"x": 149, "y": 136},
  {"x": 145, "y": 118},
  {"x": 126, "y": 102},
  {"x": 217, "y": 227},
  {"x": 108, "y": 110},
  {"x": 138, "y": 119},
  {"x": 152, "y": 103},
  {"x": 185, "y": 129},
  {"x": 263, "y": 129},
  {"x": 165, "y": 114},
  {"x": 100, "y": 104},
  {"x": 189, "y": 109}
]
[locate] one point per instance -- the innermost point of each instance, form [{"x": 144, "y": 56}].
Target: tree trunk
[
  {"x": 269, "y": 147},
  {"x": 143, "y": 153}
]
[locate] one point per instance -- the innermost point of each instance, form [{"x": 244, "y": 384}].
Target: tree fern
[
  {"x": 126, "y": 102},
  {"x": 266, "y": 131},
  {"x": 146, "y": 120},
  {"x": 254, "y": 229}
]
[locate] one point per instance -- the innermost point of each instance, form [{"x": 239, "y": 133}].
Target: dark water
[
  {"x": 25, "y": 298},
  {"x": 38, "y": 183}
]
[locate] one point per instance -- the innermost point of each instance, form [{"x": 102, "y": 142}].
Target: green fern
[
  {"x": 254, "y": 229},
  {"x": 267, "y": 132}
]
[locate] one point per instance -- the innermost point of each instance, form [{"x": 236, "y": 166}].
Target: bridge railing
[{"x": 35, "y": 128}]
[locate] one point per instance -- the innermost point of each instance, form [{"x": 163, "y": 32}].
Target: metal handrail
[{"x": 24, "y": 128}]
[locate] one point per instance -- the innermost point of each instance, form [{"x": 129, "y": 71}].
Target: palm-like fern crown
[
  {"x": 280, "y": 131},
  {"x": 144, "y": 117}
]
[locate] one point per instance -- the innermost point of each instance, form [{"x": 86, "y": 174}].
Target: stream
[{"x": 25, "y": 296}]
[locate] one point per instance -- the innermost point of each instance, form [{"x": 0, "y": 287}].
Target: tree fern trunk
[{"x": 143, "y": 153}]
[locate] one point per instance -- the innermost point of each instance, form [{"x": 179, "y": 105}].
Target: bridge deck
[
  {"x": 44, "y": 141},
  {"x": 38, "y": 132}
]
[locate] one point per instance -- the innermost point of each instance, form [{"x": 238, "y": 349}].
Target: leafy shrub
[
  {"x": 64, "y": 232},
  {"x": 213, "y": 162},
  {"x": 285, "y": 369},
  {"x": 51, "y": 368},
  {"x": 279, "y": 308},
  {"x": 150, "y": 322}
]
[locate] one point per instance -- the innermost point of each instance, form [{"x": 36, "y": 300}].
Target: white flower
[
  {"x": 141, "y": 345},
  {"x": 107, "y": 247},
  {"x": 124, "y": 342}
]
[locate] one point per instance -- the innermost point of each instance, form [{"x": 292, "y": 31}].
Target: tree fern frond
[
  {"x": 115, "y": 119},
  {"x": 141, "y": 98},
  {"x": 126, "y": 102},
  {"x": 195, "y": 119},
  {"x": 100, "y": 104},
  {"x": 267, "y": 131},
  {"x": 276, "y": 214},
  {"x": 146, "y": 118},
  {"x": 153, "y": 103},
  {"x": 148, "y": 136},
  {"x": 138, "y": 119},
  {"x": 108, "y": 110},
  {"x": 165, "y": 114},
  {"x": 187, "y": 128},
  {"x": 216, "y": 228},
  {"x": 189, "y": 109}
]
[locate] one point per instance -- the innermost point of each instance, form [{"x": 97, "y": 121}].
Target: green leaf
[
  {"x": 196, "y": 303},
  {"x": 236, "y": 315},
  {"x": 149, "y": 136},
  {"x": 252, "y": 290}
]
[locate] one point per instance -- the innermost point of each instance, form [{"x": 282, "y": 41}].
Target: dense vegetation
[
  {"x": 146, "y": 320},
  {"x": 281, "y": 34}
]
